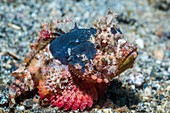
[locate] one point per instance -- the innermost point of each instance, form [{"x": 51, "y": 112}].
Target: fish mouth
[{"x": 129, "y": 61}]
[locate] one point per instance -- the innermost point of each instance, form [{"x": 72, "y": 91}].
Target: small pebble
[
  {"x": 140, "y": 43},
  {"x": 20, "y": 108},
  {"x": 159, "y": 53},
  {"x": 147, "y": 92},
  {"x": 168, "y": 88}
]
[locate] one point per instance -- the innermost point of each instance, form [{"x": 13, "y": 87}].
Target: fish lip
[{"x": 129, "y": 61}]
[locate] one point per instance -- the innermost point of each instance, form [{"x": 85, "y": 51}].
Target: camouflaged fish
[{"x": 73, "y": 69}]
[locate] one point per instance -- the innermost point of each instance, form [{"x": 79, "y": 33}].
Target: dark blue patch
[
  {"x": 118, "y": 29},
  {"x": 87, "y": 49},
  {"x": 77, "y": 41},
  {"x": 115, "y": 30}
]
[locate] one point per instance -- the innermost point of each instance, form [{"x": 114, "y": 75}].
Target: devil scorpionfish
[{"x": 73, "y": 69}]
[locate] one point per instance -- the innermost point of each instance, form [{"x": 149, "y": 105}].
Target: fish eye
[{"x": 113, "y": 30}]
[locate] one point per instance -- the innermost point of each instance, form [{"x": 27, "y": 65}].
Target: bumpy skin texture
[{"x": 72, "y": 70}]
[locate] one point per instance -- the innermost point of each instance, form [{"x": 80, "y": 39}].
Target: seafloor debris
[{"x": 72, "y": 69}]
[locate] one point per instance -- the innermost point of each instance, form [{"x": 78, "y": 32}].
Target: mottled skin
[{"x": 72, "y": 70}]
